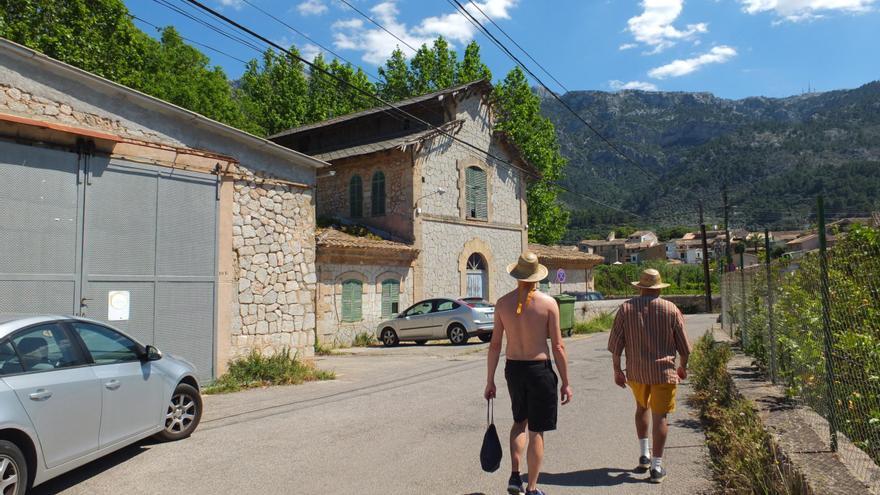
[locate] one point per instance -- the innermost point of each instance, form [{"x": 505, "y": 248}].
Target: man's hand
[
  {"x": 682, "y": 372},
  {"x": 566, "y": 393},
  {"x": 490, "y": 391},
  {"x": 620, "y": 378}
]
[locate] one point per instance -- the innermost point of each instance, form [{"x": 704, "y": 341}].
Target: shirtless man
[{"x": 529, "y": 318}]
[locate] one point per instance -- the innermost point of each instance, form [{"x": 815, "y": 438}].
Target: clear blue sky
[{"x": 733, "y": 48}]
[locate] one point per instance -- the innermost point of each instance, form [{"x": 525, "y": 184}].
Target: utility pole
[
  {"x": 727, "y": 241},
  {"x": 708, "y": 280}
]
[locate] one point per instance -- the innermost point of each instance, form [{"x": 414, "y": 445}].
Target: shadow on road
[
  {"x": 591, "y": 477},
  {"x": 94, "y": 468}
]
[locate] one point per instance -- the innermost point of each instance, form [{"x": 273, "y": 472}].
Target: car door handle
[
  {"x": 112, "y": 385},
  {"x": 40, "y": 395}
]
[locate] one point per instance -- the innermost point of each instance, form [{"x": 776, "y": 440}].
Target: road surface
[{"x": 408, "y": 421}]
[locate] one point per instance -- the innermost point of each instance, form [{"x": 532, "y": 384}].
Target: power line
[
  {"x": 210, "y": 26},
  {"x": 367, "y": 17},
  {"x": 203, "y": 45},
  {"x": 480, "y": 152}
]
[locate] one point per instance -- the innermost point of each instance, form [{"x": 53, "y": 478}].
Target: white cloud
[
  {"x": 628, "y": 46},
  {"x": 653, "y": 27},
  {"x": 311, "y": 7},
  {"x": 644, "y": 86},
  {"x": 377, "y": 45},
  {"x": 310, "y": 51},
  {"x": 678, "y": 68},
  {"x": 805, "y": 10},
  {"x": 235, "y": 4}
]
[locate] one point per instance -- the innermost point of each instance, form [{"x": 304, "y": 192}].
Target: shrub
[
  {"x": 363, "y": 339},
  {"x": 684, "y": 279},
  {"x": 256, "y": 370},
  {"x": 601, "y": 323}
]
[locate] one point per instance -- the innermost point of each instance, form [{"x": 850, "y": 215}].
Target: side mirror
[{"x": 152, "y": 354}]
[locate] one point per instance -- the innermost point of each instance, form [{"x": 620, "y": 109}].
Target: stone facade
[
  {"x": 273, "y": 232},
  {"x": 576, "y": 280},
  {"x": 332, "y": 330}
]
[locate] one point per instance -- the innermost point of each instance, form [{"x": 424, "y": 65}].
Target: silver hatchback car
[
  {"x": 456, "y": 320},
  {"x": 73, "y": 390}
]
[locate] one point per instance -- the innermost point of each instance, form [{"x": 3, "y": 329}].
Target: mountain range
[{"x": 774, "y": 156}]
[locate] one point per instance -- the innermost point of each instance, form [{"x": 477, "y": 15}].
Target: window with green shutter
[
  {"x": 377, "y": 199},
  {"x": 390, "y": 297},
  {"x": 356, "y": 197},
  {"x": 476, "y": 195},
  {"x": 352, "y": 296}
]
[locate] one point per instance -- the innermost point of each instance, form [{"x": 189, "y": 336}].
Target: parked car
[
  {"x": 73, "y": 390},
  {"x": 431, "y": 319},
  {"x": 587, "y": 296}
]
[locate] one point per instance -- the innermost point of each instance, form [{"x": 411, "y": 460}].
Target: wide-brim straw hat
[
  {"x": 527, "y": 268},
  {"x": 650, "y": 279}
]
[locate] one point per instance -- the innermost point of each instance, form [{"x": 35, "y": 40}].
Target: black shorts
[{"x": 532, "y": 387}]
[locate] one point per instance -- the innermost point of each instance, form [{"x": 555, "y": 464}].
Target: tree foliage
[{"x": 273, "y": 94}]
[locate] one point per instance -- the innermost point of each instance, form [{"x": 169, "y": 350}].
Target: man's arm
[
  {"x": 494, "y": 355},
  {"x": 559, "y": 354},
  {"x": 616, "y": 344},
  {"x": 682, "y": 345}
]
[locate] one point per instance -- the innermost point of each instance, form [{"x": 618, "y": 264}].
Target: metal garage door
[{"x": 86, "y": 228}]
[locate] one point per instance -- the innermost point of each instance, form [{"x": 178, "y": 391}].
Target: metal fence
[{"x": 813, "y": 324}]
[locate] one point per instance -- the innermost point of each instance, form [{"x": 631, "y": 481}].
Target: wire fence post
[
  {"x": 770, "y": 323},
  {"x": 826, "y": 326},
  {"x": 744, "y": 338}
]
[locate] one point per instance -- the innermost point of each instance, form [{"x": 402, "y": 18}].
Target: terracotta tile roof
[
  {"x": 597, "y": 243},
  {"x": 332, "y": 238},
  {"x": 565, "y": 255}
]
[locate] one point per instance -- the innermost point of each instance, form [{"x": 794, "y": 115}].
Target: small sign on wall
[
  {"x": 560, "y": 276},
  {"x": 118, "y": 304}
]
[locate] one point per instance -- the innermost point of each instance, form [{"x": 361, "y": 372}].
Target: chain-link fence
[{"x": 813, "y": 324}]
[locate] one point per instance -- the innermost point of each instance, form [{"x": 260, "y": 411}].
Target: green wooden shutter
[
  {"x": 378, "y": 197},
  {"x": 476, "y": 194},
  {"x": 390, "y": 297},
  {"x": 356, "y": 197},
  {"x": 352, "y": 293}
]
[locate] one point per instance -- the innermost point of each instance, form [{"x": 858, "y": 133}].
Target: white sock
[
  {"x": 656, "y": 462},
  {"x": 645, "y": 446}
]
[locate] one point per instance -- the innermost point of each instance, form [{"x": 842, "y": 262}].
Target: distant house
[
  {"x": 435, "y": 218},
  {"x": 613, "y": 250},
  {"x": 636, "y": 248},
  {"x": 689, "y": 251},
  {"x": 571, "y": 270}
]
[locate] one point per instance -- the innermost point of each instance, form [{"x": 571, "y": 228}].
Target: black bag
[{"x": 490, "y": 453}]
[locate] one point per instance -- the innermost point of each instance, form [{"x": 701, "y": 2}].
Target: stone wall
[
  {"x": 332, "y": 331},
  {"x": 274, "y": 243},
  {"x": 333, "y": 191}
]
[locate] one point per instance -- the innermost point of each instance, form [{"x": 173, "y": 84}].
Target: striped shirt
[{"x": 650, "y": 330}]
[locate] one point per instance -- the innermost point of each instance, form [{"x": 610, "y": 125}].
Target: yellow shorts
[{"x": 660, "y": 397}]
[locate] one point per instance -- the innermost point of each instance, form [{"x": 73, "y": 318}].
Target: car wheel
[
  {"x": 485, "y": 337},
  {"x": 457, "y": 334},
  {"x": 183, "y": 413},
  {"x": 389, "y": 337},
  {"x": 13, "y": 469},
  {"x": 421, "y": 342}
]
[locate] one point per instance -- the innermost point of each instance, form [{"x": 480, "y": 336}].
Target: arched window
[
  {"x": 390, "y": 297},
  {"x": 352, "y": 295},
  {"x": 477, "y": 276},
  {"x": 378, "y": 197},
  {"x": 475, "y": 193},
  {"x": 356, "y": 197}
]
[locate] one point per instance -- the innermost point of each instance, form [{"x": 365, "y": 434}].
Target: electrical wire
[
  {"x": 380, "y": 26},
  {"x": 203, "y": 45}
]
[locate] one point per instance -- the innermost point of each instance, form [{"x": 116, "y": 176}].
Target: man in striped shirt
[{"x": 650, "y": 331}]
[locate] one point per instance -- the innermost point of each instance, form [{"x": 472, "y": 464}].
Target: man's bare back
[{"x": 528, "y": 332}]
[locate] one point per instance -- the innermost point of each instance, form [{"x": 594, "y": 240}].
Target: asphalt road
[{"x": 408, "y": 422}]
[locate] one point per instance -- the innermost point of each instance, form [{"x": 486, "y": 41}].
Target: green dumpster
[{"x": 566, "y": 313}]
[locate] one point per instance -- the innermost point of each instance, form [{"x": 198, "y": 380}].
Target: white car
[{"x": 73, "y": 390}]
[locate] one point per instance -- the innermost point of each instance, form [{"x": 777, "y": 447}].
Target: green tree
[
  {"x": 273, "y": 94},
  {"x": 445, "y": 63},
  {"x": 350, "y": 88},
  {"x": 394, "y": 78},
  {"x": 471, "y": 67},
  {"x": 421, "y": 71},
  {"x": 320, "y": 86},
  {"x": 518, "y": 112}
]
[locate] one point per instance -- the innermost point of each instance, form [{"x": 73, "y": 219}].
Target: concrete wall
[{"x": 576, "y": 280}]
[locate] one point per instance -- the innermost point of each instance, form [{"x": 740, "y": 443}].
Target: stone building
[
  {"x": 200, "y": 235},
  {"x": 571, "y": 270},
  {"x": 412, "y": 213}
]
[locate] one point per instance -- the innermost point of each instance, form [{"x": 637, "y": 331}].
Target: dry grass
[{"x": 257, "y": 370}]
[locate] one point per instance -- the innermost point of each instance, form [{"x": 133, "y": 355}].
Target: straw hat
[
  {"x": 650, "y": 279},
  {"x": 527, "y": 268}
]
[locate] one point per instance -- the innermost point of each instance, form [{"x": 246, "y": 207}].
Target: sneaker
[
  {"x": 535, "y": 492},
  {"x": 515, "y": 485},
  {"x": 658, "y": 475},
  {"x": 644, "y": 464}
]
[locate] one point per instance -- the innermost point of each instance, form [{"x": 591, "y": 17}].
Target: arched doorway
[{"x": 477, "y": 277}]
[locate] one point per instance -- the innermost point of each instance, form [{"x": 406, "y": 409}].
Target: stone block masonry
[{"x": 273, "y": 237}]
